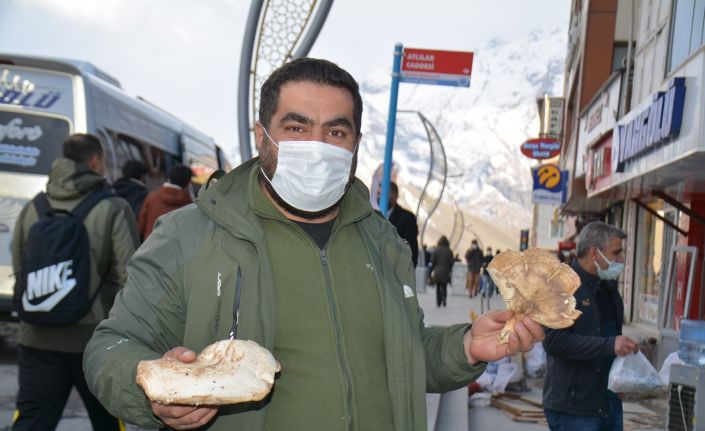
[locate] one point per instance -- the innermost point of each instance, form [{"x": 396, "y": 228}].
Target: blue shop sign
[{"x": 655, "y": 125}]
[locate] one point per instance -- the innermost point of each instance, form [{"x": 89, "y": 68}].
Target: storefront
[{"x": 651, "y": 168}]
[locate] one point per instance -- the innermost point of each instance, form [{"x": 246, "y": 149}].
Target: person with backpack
[{"x": 69, "y": 254}]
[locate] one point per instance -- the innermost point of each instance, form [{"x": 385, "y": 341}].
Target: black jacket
[
  {"x": 578, "y": 358},
  {"x": 442, "y": 264},
  {"x": 474, "y": 257},
  {"x": 405, "y": 222},
  {"x": 132, "y": 191}
]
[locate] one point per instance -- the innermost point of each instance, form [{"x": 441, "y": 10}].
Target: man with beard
[{"x": 286, "y": 251}]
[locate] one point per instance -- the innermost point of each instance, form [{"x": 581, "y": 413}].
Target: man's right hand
[
  {"x": 624, "y": 346},
  {"x": 182, "y": 417}
]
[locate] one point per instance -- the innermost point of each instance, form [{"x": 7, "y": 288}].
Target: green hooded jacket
[
  {"x": 112, "y": 232},
  {"x": 181, "y": 288}
]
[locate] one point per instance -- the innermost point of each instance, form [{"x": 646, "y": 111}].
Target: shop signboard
[
  {"x": 40, "y": 91},
  {"x": 555, "y": 116},
  {"x": 541, "y": 148},
  {"x": 550, "y": 185},
  {"x": 597, "y": 120},
  {"x": 649, "y": 126},
  {"x": 551, "y": 116},
  {"x": 436, "y": 67}
]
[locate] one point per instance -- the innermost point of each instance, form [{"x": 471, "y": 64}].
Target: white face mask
[
  {"x": 311, "y": 175},
  {"x": 613, "y": 268}
]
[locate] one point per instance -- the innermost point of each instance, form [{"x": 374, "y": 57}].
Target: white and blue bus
[{"x": 44, "y": 100}]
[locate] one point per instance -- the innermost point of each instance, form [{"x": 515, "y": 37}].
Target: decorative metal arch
[
  {"x": 435, "y": 182},
  {"x": 456, "y": 234},
  {"x": 277, "y": 31}
]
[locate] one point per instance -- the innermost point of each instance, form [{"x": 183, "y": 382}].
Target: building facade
[{"x": 635, "y": 144}]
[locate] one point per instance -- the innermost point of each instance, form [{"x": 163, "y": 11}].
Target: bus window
[{"x": 30, "y": 143}]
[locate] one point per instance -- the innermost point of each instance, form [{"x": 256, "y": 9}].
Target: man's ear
[
  {"x": 593, "y": 253},
  {"x": 95, "y": 163},
  {"x": 259, "y": 134}
]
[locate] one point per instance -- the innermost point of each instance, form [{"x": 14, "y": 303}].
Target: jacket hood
[
  {"x": 71, "y": 180},
  {"x": 174, "y": 197},
  {"x": 127, "y": 185},
  {"x": 223, "y": 201}
]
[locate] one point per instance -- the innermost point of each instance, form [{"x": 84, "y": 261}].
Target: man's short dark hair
[
  {"x": 80, "y": 147},
  {"x": 393, "y": 188},
  {"x": 134, "y": 169},
  {"x": 180, "y": 175},
  {"x": 313, "y": 70},
  {"x": 596, "y": 234}
]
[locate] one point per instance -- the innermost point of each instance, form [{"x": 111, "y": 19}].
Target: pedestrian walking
[
  {"x": 487, "y": 285},
  {"x": 473, "y": 257},
  {"x": 442, "y": 264},
  {"x": 50, "y": 355}
]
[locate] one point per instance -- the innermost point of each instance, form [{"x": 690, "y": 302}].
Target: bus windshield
[{"x": 29, "y": 143}]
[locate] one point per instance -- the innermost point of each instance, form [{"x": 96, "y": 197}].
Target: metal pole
[
  {"x": 315, "y": 28},
  {"x": 243, "y": 92},
  {"x": 391, "y": 124}
]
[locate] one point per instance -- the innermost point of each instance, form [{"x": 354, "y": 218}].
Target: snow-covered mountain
[{"x": 481, "y": 127}]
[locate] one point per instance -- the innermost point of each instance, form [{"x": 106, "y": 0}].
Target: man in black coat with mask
[{"x": 405, "y": 222}]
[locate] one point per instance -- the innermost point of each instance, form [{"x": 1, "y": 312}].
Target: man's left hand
[{"x": 482, "y": 341}]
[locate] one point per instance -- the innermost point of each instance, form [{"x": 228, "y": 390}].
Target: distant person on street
[
  {"x": 172, "y": 195},
  {"x": 487, "y": 285},
  {"x": 50, "y": 357},
  {"x": 442, "y": 264},
  {"x": 131, "y": 186},
  {"x": 578, "y": 358},
  {"x": 404, "y": 220},
  {"x": 473, "y": 257}
]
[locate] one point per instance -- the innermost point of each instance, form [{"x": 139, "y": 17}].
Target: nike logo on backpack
[{"x": 53, "y": 282}]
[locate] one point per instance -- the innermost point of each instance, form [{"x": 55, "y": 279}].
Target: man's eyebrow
[
  {"x": 293, "y": 116},
  {"x": 340, "y": 121}
]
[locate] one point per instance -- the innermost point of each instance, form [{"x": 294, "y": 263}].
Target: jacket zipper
[
  {"x": 407, "y": 365},
  {"x": 338, "y": 340},
  {"x": 407, "y": 357}
]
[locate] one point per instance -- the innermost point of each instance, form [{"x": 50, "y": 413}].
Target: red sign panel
[
  {"x": 432, "y": 66},
  {"x": 541, "y": 148}
]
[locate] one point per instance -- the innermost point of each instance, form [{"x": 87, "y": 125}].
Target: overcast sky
[{"x": 183, "y": 55}]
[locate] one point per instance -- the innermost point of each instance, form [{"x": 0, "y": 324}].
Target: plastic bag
[
  {"x": 666, "y": 367},
  {"x": 535, "y": 361},
  {"x": 634, "y": 374},
  {"x": 505, "y": 373}
]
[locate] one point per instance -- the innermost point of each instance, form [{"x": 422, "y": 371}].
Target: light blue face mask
[{"x": 613, "y": 269}]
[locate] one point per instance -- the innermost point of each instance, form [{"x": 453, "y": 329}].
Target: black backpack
[{"x": 53, "y": 287}]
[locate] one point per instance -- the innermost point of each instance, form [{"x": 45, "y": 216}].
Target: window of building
[
  {"x": 686, "y": 30},
  {"x": 619, "y": 55},
  {"x": 652, "y": 261}
]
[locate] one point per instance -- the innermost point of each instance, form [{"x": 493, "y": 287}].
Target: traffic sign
[{"x": 436, "y": 67}]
